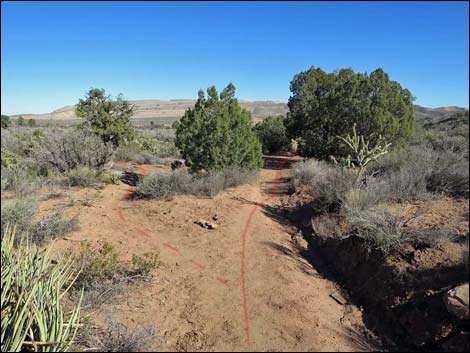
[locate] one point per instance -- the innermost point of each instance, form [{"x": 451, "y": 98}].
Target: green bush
[
  {"x": 6, "y": 121},
  {"x": 4, "y": 183},
  {"x": 97, "y": 266},
  {"x": 217, "y": 133},
  {"x": 326, "y": 105},
  {"x": 272, "y": 134},
  {"x": 108, "y": 118},
  {"x": 8, "y": 158},
  {"x": 33, "y": 287},
  {"x": 84, "y": 177}
]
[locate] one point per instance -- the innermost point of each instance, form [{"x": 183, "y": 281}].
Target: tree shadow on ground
[
  {"x": 129, "y": 178},
  {"x": 273, "y": 162}
]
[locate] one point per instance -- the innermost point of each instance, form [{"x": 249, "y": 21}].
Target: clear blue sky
[{"x": 52, "y": 53}]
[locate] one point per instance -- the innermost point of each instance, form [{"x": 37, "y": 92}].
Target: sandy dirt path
[{"x": 196, "y": 298}]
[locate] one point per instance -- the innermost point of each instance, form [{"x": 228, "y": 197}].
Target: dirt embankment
[{"x": 402, "y": 294}]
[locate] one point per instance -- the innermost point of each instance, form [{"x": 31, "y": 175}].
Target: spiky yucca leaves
[{"x": 33, "y": 286}]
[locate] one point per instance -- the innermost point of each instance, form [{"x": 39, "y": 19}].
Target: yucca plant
[{"x": 33, "y": 287}]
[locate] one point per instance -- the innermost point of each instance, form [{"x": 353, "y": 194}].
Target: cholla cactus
[{"x": 361, "y": 153}]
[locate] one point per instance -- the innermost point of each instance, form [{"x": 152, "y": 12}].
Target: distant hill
[
  {"x": 170, "y": 110},
  {"x": 429, "y": 114},
  {"x": 163, "y": 109}
]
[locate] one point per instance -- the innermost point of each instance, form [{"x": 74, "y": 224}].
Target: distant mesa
[{"x": 171, "y": 109}]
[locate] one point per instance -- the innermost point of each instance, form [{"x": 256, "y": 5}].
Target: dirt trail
[{"x": 196, "y": 297}]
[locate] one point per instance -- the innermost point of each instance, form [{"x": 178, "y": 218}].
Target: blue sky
[{"x": 52, "y": 53}]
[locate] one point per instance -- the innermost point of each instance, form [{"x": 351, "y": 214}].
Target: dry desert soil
[{"x": 243, "y": 286}]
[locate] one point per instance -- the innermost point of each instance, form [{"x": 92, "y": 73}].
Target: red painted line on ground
[
  {"x": 122, "y": 164},
  {"x": 121, "y": 215},
  {"x": 143, "y": 232},
  {"x": 128, "y": 192},
  {"x": 143, "y": 171},
  {"x": 222, "y": 281},
  {"x": 244, "y": 234},
  {"x": 197, "y": 264},
  {"x": 171, "y": 247}
]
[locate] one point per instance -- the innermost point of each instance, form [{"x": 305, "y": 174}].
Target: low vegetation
[
  {"x": 33, "y": 314},
  {"x": 352, "y": 200},
  {"x": 115, "y": 337},
  {"x": 21, "y": 212},
  {"x": 165, "y": 186}
]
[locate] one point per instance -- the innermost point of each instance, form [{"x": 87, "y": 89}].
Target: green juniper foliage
[
  {"x": 217, "y": 133},
  {"x": 6, "y": 121},
  {"x": 272, "y": 134},
  {"x": 325, "y": 105},
  {"x": 108, "y": 118}
]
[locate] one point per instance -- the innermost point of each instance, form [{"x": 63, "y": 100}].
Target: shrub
[
  {"x": 272, "y": 134},
  {"x": 20, "y": 178},
  {"x": 415, "y": 172},
  {"x": 27, "y": 142},
  {"x": 103, "y": 265},
  {"x": 381, "y": 230},
  {"x": 145, "y": 264},
  {"x": 108, "y": 118},
  {"x": 83, "y": 177},
  {"x": 19, "y": 211},
  {"x": 69, "y": 150},
  {"x": 327, "y": 183},
  {"x": 450, "y": 175},
  {"x": 359, "y": 199},
  {"x": 33, "y": 317},
  {"x": 116, "y": 337},
  {"x": 165, "y": 186},
  {"x": 20, "y": 121},
  {"x": 308, "y": 172},
  {"x": 97, "y": 265},
  {"x": 146, "y": 150},
  {"x": 6, "y": 121},
  {"x": 127, "y": 151},
  {"x": 217, "y": 134},
  {"x": 51, "y": 227},
  {"x": 8, "y": 158}
]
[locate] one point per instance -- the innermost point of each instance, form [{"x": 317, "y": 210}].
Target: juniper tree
[
  {"x": 109, "y": 118},
  {"x": 217, "y": 133},
  {"x": 326, "y": 105}
]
